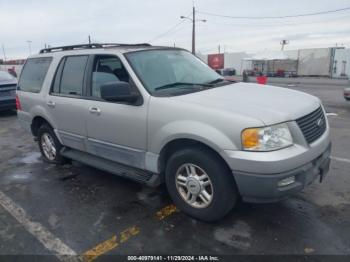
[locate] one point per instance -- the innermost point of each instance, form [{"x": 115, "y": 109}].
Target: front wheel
[{"x": 200, "y": 184}]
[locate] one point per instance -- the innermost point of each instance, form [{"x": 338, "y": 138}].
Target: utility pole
[
  {"x": 89, "y": 40},
  {"x": 194, "y": 31},
  {"x": 193, "y": 20},
  {"x": 219, "y": 49}
]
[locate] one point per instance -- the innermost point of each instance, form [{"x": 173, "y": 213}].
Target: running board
[{"x": 135, "y": 174}]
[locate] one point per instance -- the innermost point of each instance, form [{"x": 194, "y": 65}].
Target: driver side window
[{"x": 107, "y": 69}]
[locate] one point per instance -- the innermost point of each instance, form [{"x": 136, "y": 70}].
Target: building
[
  {"x": 272, "y": 63},
  {"x": 15, "y": 65},
  {"x": 231, "y": 60},
  {"x": 333, "y": 62}
]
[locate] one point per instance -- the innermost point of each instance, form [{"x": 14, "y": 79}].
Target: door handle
[
  {"x": 51, "y": 104},
  {"x": 95, "y": 110}
]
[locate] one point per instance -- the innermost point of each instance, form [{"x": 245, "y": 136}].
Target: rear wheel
[
  {"x": 200, "y": 184},
  {"x": 49, "y": 145}
]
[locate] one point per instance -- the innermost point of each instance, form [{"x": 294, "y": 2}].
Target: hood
[{"x": 269, "y": 104}]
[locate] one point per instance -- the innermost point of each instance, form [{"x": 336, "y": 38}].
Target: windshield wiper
[
  {"x": 218, "y": 80},
  {"x": 188, "y": 85}
]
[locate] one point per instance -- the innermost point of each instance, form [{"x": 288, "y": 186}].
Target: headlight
[{"x": 266, "y": 138}]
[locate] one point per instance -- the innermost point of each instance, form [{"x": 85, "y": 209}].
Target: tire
[
  {"x": 45, "y": 133},
  {"x": 221, "y": 187}
]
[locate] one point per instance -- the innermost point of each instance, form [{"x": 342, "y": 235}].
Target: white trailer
[
  {"x": 341, "y": 63},
  {"x": 315, "y": 62}
]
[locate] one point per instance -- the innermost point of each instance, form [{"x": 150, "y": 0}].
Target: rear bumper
[
  {"x": 263, "y": 188},
  {"x": 7, "y": 104}
]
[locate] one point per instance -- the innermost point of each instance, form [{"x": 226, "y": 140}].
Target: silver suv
[{"x": 158, "y": 114}]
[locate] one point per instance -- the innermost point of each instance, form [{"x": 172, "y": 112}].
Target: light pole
[
  {"x": 283, "y": 43},
  {"x": 193, "y": 20},
  {"x": 29, "y": 46}
]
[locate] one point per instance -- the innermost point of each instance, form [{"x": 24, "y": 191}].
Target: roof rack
[{"x": 86, "y": 46}]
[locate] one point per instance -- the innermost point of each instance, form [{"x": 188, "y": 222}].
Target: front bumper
[{"x": 262, "y": 188}]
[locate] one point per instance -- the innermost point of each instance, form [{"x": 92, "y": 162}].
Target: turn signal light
[{"x": 250, "y": 138}]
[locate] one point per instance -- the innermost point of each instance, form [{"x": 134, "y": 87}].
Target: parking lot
[{"x": 75, "y": 209}]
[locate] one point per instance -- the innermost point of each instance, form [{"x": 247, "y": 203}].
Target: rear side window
[
  {"x": 73, "y": 75},
  {"x": 33, "y": 74}
]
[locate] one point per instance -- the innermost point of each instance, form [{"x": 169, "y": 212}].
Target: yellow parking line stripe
[
  {"x": 166, "y": 211},
  {"x": 109, "y": 244},
  {"x": 124, "y": 236},
  {"x": 100, "y": 249}
]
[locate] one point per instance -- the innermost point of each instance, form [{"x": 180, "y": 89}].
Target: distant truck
[{"x": 227, "y": 73}]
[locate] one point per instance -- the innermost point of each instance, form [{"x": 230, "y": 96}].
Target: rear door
[{"x": 66, "y": 102}]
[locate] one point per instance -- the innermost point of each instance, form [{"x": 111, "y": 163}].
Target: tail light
[{"x": 18, "y": 104}]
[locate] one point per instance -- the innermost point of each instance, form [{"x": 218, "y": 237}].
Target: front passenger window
[
  {"x": 99, "y": 79},
  {"x": 107, "y": 69}
]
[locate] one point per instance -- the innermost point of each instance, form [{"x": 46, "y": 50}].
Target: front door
[{"x": 116, "y": 131}]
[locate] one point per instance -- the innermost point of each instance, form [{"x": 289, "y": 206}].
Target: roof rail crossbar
[{"x": 87, "y": 46}]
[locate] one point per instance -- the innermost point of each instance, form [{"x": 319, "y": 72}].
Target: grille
[
  {"x": 313, "y": 125},
  {"x": 8, "y": 86}
]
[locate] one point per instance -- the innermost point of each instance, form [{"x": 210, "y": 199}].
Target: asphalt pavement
[{"x": 75, "y": 209}]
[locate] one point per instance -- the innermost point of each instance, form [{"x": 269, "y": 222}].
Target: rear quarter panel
[{"x": 34, "y": 104}]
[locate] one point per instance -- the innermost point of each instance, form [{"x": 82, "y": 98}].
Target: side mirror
[{"x": 118, "y": 92}]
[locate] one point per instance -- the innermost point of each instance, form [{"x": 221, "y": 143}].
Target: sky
[{"x": 158, "y": 22}]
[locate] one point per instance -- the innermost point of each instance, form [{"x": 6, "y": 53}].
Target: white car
[{"x": 347, "y": 93}]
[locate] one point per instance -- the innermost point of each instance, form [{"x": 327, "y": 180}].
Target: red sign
[{"x": 216, "y": 61}]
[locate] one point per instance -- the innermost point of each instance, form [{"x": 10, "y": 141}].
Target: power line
[
  {"x": 167, "y": 31},
  {"x": 280, "y": 24},
  {"x": 276, "y": 17}
]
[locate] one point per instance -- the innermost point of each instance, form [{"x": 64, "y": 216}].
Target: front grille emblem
[{"x": 319, "y": 122}]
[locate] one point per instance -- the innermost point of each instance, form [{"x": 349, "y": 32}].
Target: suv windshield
[{"x": 169, "y": 70}]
